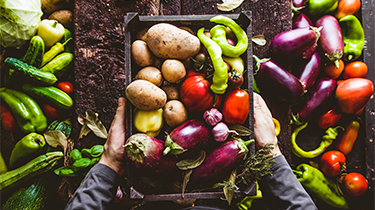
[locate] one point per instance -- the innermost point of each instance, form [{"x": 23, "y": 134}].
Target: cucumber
[
  {"x": 51, "y": 95},
  {"x": 60, "y": 126},
  {"x": 59, "y": 65},
  {"x": 31, "y": 72},
  {"x": 35, "y": 52}
]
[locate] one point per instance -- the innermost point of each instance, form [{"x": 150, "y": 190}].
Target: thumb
[{"x": 119, "y": 119}]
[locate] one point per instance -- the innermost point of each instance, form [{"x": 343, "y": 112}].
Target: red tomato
[
  {"x": 355, "y": 184},
  {"x": 193, "y": 72},
  {"x": 331, "y": 70},
  {"x": 228, "y": 66},
  {"x": 67, "y": 87},
  {"x": 348, "y": 138},
  {"x": 231, "y": 42},
  {"x": 7, "y": 119},
  {"x": 329, "y": 119},
  {"x": 236, "y": 107},
  {"x": 50, "y": 111},
  {"x": 196, "y": 94},
  {"x": 347, "y": 7},
  {"x": 352, "y": 94},
  {"x": 235, "y": 80},
  {"x": 355, "y": 69},
  {"x": 332, "y": 163}
]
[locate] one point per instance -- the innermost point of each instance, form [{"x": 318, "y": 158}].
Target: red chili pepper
[
  {"x": 329, "y": 119},
  {"x": 7, "y": 119},
  {"x": 345, "y": 145}
]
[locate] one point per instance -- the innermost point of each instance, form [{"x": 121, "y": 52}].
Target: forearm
[
  {"x": 282, "y": 190},
  {"x": 97, "y": 190}
]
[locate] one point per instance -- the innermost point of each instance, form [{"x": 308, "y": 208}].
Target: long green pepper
[
  {"x": 353, "y": 36},
  {"x": 220, "y": 78}
]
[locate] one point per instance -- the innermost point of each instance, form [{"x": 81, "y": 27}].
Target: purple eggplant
[
  {"x": 298, "y": 5},
  {"x": 307, "y": 70},
  {"x": 302, "y": 21},
  {"x": 146, "y": 153},
  {"x": 330, "y": 42},
  {"x": 275, "y": 80},
  {"x": 292, "y": 43},
  {"x": 221, "y": 161},
  {"x": 191, "y": 135},
  {"x": 318, "y": 101}
]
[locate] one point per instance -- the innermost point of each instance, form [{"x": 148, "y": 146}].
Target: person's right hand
[{"x": 264, "y": 128}]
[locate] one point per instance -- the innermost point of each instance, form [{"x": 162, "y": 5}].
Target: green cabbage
[{"x": 19, "y": 21}]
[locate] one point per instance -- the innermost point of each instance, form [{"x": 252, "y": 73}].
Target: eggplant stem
[
  {"x": 248, "y": 142},
  {"x": 337, "y": 64},
  {"x": 166, "y": 150},
  {"x": 350, "y": 57}
]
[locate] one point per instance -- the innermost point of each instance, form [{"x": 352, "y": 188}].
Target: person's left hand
[{"x": 113, "y": 154}]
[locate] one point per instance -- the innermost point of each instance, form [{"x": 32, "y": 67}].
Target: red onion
[
  {"x": 212, "y": 116},
  {"x": 221, "y": 132}
]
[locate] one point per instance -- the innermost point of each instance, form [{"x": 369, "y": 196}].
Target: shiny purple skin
[
  {"x": 292, "y": 43},
  {"x": 302, "y": 21},
  {"x": 319, "y": 100},
  {"x": 277, "y": 81},
  {"x": 307, "y": 70},
  {"x": 191, "y": 135},
  {"x": 330, "y": 41},
  {"x": 146, "y": 153},
  {"x": 299, "y": 3}
]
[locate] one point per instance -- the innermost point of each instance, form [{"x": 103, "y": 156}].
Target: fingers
[
  {"x": 260, "y": 106},
  {"x": 119, "y": 119}
]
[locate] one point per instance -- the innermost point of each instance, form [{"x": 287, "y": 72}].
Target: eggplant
[
  {"x": 221, "y": 162},
  {"x": 275, "y": 80},
  {"x": 298, "y": 5},
  {"x": 331, "y": 42},
  {"x": 188, "y": 137},
  {"x": 307, "y": 71},
  {"x": 292, "y": 43},
  {"x": 302, "y": 21},
  {"x": 146, "y": 153},
  {"x": 318, "y": 101}
]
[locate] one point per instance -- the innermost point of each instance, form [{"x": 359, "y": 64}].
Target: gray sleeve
[
  {"x": 97, "y": 190},
  {"x": 282, "y": 190}
]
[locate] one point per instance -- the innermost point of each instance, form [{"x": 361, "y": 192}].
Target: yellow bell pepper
[
  {"x": 235, "y": 63},
  {"x": 51, "y": 31},
  {"x": 148, "y": 122}
]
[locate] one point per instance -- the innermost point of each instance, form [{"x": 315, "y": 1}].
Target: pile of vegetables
[{"x": 326, "y": 89}]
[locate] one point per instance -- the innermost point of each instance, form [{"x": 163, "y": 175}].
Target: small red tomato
[
  {"x": 235, "y": 80},
  {"x": 355, "y": 69},
  {"x": 7, "y": 119},
  {"x": 329, "y": 119},
  {"x": 332, "y": 163},
  {"x": 228, "y": 66},
  {"x": 236, "y": 107},
  {"x": 231, "y": 42},
  {"x": 355, "y": 184},
  {"x": 67, "y": 87},
  {"x": 50, "y": 111}
]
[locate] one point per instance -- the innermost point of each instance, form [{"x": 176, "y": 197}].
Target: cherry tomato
[
  {"x": 235, "y": 80},
  {"x": 332, "y": 163},
  {"x": 355, "y": 69},
  {"x": 236, "y": 107},
  {"x": 228, "y": 66},
  {"x": 231, "y": 42},
  {"x": 50, "y": 111},
  {"x": 7, "y": 119},
  {"x": 331, "y": 70},
  {"x": 348, "y": 138},
  {"x": 200, "y": 60},
  {"x": 355, "y": 184},
  {"x": 67, "y": 87}
]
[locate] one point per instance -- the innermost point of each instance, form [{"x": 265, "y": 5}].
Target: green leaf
[
  {"x": 193, "y": 162},
  {"x": 81, "y": 164},
  {"x": 96, "y": 151},
  {"x": 240, "y": 129},
  {"x": 65, "y": 171},
  {"x": 94, "y": 161},
  {"x": 86, "y": 152},
  {"x": 75, "y": 154}
]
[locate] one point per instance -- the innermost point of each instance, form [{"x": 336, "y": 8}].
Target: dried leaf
[
  {"x": 192, "y": 163},
  {"x": 241, "y": 130},
  {"x": 229, "y": 5},
  {"x": 84, "y": 130},
  {"x": 95, "y": 124},
  {"x": 186, "y": 175},
  {"x": 56, "y": 138},
  {"x": 259, "y": 40}
]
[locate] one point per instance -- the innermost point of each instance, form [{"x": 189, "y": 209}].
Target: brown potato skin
[
  {"x": 168, "y": 41},
  {"x": 171, "y": 91},
  {"x": 141, "y": 35},
  {"x": 145, "y": 96},
  {"x": 65, "y": 17},
  {"x": 175, "y": 113},
  {"x": 173, "y": 70},
  {"x": 141, "y": 54},
  {"x": 151, "y": 74}
]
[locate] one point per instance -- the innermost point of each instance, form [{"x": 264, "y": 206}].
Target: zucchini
[
  {"x": 31, "y": 72},
  {"x": 59, "y": 65},
  {"x": 35, "y": 52},
  {"x": 51, "y": 95},
  {"x": 60, "y": 126},
  {"x": 38, "y": 165}
]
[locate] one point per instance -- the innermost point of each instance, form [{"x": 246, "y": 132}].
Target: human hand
[
  {"x": 264, "y": 128},
  {"x": 113, "y": 154}
]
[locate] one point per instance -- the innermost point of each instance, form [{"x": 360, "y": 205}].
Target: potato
[
  {"x": 151, "y": 74},
  {"x": 49, "y": 6},
  {"x": 168, "y": 41},
  {"x": 171, "y": 91},
  {"x": 141, "y": 35},
  {"x": 65, "y": 17},
  {"x": 173, "y": 70},
  {"x": 158, "y": 62},
  {"x": 187, "y": 29},
  {"x": 175, "y": 113},
  {"x": 141, "y": 53},
  {"x": 145, "y": 96}
]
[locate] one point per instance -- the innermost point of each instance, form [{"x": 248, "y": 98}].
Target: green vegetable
[
  {"x": 235, "y": 63},
  {"x": 62, "y": 126},
  {"x": 218, "y": 34},
  {"x": 82, "y": 163},
  {"x": 29, "y": 146},
  {"x": 69, "y": 47},
  {"x": 75, "y": 155},
  {"x": 35, "y": 52},
  {"x": 51, "y": 95},
  {"x": 331, "y": 134},
  {"x": 31, "y": 72},
  {"x": 353, "y": 36},
  {"x": 246, "y": 203},
  {"x": 220, "y": 78},
  {"x": 3, "y": 165},
  {"x": 19, "y": 20},
  {"x": 148, "y": 122},
  {"x": 319, "y": 186},
  {"x": 25, "y": 110},
  {"x": 321, "y": 7},
  {"x": 38, "y": 165},
  {"x": 51, "y": 31},
  {"x": 53, "y": 51},
  {"x": 59, "y": 65}
]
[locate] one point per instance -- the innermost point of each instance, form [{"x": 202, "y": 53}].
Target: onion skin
[{"x": 307, "y": 71}]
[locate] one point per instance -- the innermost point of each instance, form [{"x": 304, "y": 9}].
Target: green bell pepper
[
  {"x": 148, "y": 122},
  {"x": 353, "y": 36},
  {"x": 28, "y": 147},
  {"x": 25, "y": 110},
  {"x": 318, "y": 186},
  {"x": 321, "y": 7}
]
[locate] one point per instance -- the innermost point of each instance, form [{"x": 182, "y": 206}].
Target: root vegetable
[
  {"x": 151, "y": 74},
  {"x": 173, "y": 70},
  {"x": 141, "y": 53},
  {"x": 65, "y": 17},
  {"x": 175, "y": 113}
]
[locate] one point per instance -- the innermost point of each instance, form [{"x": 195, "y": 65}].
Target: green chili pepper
[
  {"x": 353, "y": 37},
  {"x": 30, "y": 145},
  {"x": 25, "y": 110},
  {"x": 331, "y": 134},
  {"x": 320, "y": 7},
  {"x": 220, "y": 78},
  {"x": 319, "y": 186},
  {"x": 218, "y": 34},
  {"x": 246, "y": 203},
  {"x": 53, "y": 51}
]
